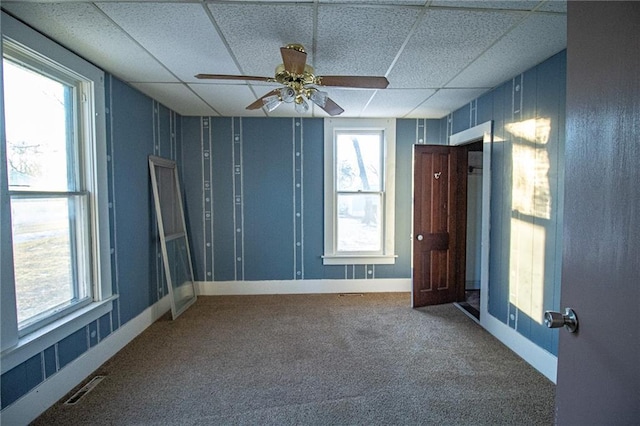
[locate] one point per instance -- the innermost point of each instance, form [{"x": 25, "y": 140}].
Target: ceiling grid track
[{"x": 126, "y": 33}]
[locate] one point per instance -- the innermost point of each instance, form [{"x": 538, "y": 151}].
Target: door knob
[
  {"x": 420, "y": 237},
  {"x": 569, "y": 320}
]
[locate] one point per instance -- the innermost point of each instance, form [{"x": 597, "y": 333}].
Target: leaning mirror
[{"x": 173, "y": 234}]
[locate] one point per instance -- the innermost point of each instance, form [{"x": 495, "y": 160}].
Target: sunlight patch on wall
[
  {"x": 531, "y": 211},
  {"x": 535, "y": 130},
  {"x": 526, "y": 281},
  {"x": 530, "y": 191}
]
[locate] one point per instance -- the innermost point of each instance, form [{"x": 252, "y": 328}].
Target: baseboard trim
[
  {"x": 47, "y": 393},
  {"x": 540, "y": 359},
  {"x": 377, "y": 285}
]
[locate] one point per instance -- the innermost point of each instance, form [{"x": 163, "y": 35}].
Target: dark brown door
[
  {"x": 599, "y": 364},
  {"x": 439, "y": 224}
]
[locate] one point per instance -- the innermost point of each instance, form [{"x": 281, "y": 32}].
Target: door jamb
[{"x": 482, "y": 132}]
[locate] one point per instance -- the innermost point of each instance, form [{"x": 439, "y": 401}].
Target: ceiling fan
[{"x": 300, "y": 84}]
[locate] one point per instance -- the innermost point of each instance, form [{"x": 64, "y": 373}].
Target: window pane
[
  {"x": 44, "y": 237},
  {"x": 168, "y": 193},
  {"x": 359, "y": 227},
  {"x": 181, "y": 279},
  {"x": 38, "y": 113},
  {"x": 358, "y": 161}
]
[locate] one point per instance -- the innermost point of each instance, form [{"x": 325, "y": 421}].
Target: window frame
[
  {"x": 34, "y": 48},
  {"x": 332, "y": 127}
]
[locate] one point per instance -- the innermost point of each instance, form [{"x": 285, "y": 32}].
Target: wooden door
[
  {"x": 439, "y": 224},
  {"x": 599, "y": 365}
]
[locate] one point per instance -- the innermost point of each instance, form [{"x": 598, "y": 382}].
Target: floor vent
[
  {"x": 350, "y": 294},
  {"x": 84, "y": 390}
]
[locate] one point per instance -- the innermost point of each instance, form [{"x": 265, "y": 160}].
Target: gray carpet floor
[{"x": 313, "y": 360}]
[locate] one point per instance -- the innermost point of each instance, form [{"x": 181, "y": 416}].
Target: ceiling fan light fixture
[
  {"x": 319, "y": 98},
  {"x": 287, "y": 94},
  {"x": 272, "y": 102},
  {"x": 298, "y": 83},
  {"x": 302, "y": 105}
]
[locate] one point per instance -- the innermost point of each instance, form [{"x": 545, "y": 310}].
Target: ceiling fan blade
[
  {"x": 332, "y": 108},
  {"x": 259, "y": 103},
  {"x": 231, "y": 77},
  {"x": 354, "y": 81},
  {"x": 293, "y": 60}
]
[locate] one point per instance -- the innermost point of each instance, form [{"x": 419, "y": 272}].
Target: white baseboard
[
  {"x": 377, "y": 285},
  {"x": 47, "y": 393},
  {"x": 540, "y": 359}
]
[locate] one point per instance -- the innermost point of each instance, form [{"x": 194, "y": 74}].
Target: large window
[
  {"x": 359, "y": 191},
  {"x": 56, "y": 183},
  {"x": 49, "y": 210}
]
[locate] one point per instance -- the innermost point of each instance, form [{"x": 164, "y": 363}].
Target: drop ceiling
[{"x": 437, "y": 55}]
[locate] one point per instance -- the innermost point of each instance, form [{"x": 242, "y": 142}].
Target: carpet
[{"x": 313, "y": 360}]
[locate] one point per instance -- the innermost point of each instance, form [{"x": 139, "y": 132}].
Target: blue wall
[
  {"x": 254, "y": 191},
  {"x": 137, "y": 126},
  {"x": 527, "y": 181}
]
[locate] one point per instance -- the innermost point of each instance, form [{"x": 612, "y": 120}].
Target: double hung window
[
  {"x": 49, "y": 199},
  {"x": 359, "y": 191},
  {"x": 55, "y": 169}
]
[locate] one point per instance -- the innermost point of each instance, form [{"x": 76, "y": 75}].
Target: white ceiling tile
[
  {"x": 378, "y": 2},
  {"x": 445, "y": 42},
  {"x": 538, "y": 38},
  {"x": 176, "y": 96},
  {"x": 84, "y": 29},
  {"x": 351, "y": 100},
  {"x": 230, "y": 100},
  {"x": 396, "y": 102},
  {"x": 445, "y": 101},
  {"x": 180, "y": 35},
  {"x": 265, "y": 1},
  {"x": 481, "y": 4},
  {"x": 256, "y": 32},
  {"x": 559, "y": 6},
  {"x": 360, "y": 40}
]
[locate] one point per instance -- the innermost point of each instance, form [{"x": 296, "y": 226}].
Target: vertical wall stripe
[
  {"x": 43, "y": 366},
  {"x": 155, "y": 120},
  {"x": 203, "y": 120},
  {"x": 238, "y": 198},
  {"x": 475, "y": 117},
  {"x": 298, "y": 205},
  {"x": 209, "y": 206},
  {"x": 172, "y": 132},
  {"x": 236, "y": 171},
  {"x": 473, "y": 113},
  {"x": 421, "y": 131},
  {"x": 516, "y": 116},
  {"x": 301, "y": 193},
  {"x": 112, "y": 204},
  {"x": 294, "y": 204},
  {"x": 57, "y": 357},
  {"x": 207, "y": 215}
]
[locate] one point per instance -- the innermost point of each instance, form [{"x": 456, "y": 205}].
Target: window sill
[
  {"x": 359, "y": 259},
  {"x": 39, "y": 340}
]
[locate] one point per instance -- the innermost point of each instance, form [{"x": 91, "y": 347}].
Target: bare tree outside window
[{"x": 359, "y": 195}]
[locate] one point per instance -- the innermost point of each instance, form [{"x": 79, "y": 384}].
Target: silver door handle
[
  {"x": 420, "y": 237},
  {"x": 569, "y": 320}
]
